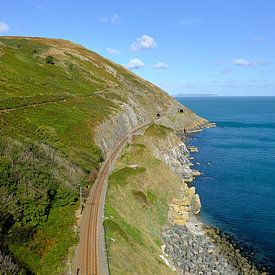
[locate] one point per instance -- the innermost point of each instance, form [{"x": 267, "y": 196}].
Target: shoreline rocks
[
  {"x": 190, "y": 246},
  {"x": 193, "y": 149},
  {"x": 185, "y": 205},
  {"x": 194, "y": 248}
]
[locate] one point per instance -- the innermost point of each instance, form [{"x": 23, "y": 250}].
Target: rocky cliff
[
  {"x": 147, "y": 191},
  {"x": 134, "y": 113}
]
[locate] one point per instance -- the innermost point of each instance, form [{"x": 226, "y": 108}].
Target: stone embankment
[{"x": 197, "y": 249}]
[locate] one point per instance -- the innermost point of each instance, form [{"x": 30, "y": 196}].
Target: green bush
[
  {"x": 50, "y": 59},
  {"x": 5, "y": 166}
]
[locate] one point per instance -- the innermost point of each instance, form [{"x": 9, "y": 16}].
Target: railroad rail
[{"x": 90, "y": 257}]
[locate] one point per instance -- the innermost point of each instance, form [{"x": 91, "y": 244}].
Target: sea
[{"x": 237, "y": 161}]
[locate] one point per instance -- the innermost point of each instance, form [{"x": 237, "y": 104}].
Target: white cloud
[
  {"x": 189, "y": 22},
  {"x": 161, "y": 66},
  {"x": 113, "y": 19},
  {"x": 4, "y": 27},
  {"x": 144, "y": 42},
  {"x": 259, "y": 39},
  {"x": 135, "y": 64},
  {"x": 113, "y": 51},
  {"x": 244, "y": 62}
]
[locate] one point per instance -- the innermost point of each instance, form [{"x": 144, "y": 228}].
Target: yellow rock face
[
  {"x": 188, "y": 180},
  {"x": 185, "y": 202},
  {"x": 180, "y": 222},
  {"x": 176, "y": 207},
  {"x": 177, "y": 201},
  {"x": 184, "y": 207},
  {"x": 191, "y": 192}
]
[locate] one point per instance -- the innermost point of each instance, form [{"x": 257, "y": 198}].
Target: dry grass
[{"x": 142, "y": 203}]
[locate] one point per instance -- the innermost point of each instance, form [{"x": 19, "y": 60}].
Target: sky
[{"x": 184, "y": 46}]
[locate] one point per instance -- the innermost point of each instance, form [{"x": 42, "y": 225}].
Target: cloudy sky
[{"x": 184, "y": 46}]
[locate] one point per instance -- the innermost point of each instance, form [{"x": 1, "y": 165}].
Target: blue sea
[{"x": 237, "y": 158}]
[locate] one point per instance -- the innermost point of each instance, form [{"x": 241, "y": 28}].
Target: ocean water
[{"x": 237, "y": 158}]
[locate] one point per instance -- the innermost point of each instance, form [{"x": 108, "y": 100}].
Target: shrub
[{"x": 50, "y": 59}]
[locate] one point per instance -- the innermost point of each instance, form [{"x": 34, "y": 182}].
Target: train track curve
[{"x": 91, "y": 258}]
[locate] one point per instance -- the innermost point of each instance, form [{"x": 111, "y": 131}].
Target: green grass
[
  {"x": 114, "y": 224},
  {"x": 155, "y": 130},
  {"x": 136, "y": 209},
  {"x": 120, "y": 177}
]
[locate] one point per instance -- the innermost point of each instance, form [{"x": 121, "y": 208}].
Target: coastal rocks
[
  {"x": 186, "y": 120},
  {"x": 173, "y": 152},
  {"x": 183, "y": 207},
  {"x": 196, "y": 173},
  {"x": 193, "y": 149},
  {"x": 196, "y": 204},
  {"x": 192, "y": 249},
  {"x": 191, "y": 252},
  {"x": 190, "y": 246}
]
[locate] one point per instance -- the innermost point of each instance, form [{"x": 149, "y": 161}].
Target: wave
[{"x": 237, "y": 124}]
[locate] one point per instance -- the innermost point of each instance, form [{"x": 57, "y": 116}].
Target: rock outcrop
[
  {"x": 174, "y": 153},
  {"x": 133, "y": 114}
]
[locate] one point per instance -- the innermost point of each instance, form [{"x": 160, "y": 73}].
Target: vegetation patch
[
  {"x": 141, "y": 197},
  {"x": 114, "y": 224},
  {"x": 120, "y": 176},
  {"x": 138, "y": 210},
  {"x": 155, "y": 130},
  {"x": 38, "y": 194},
  {"x": 45, "y": 252},
  {"x": 47, "y": 133}
]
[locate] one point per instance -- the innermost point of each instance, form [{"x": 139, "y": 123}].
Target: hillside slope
[{"x": 62, "y": 108}]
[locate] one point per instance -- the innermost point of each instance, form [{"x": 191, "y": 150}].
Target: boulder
[
  {"x": 196, "y": 173},
  {"x": 196, "y": 204},
  {"x": 191, "y": 192}
]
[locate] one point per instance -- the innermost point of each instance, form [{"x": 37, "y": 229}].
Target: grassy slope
[
  {"x": 137, "y": 208},
  {"x": 58, "y": 105}
]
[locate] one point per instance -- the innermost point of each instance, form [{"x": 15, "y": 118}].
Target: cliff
[
  {"x": 147, "y": 192},
  {"x": 62, "y": 108}
]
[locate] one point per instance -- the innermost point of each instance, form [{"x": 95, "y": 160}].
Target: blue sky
[{"x": 196, "y": 46}]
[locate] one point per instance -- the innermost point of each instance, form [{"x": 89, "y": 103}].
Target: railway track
[{"x": 90, "y": 262}]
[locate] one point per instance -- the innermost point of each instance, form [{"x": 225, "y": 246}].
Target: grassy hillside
[
  {"x": 53, "y": 94},
  {"x": 140, "y": 190}
]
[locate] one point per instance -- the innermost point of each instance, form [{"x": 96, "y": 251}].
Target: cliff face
[
  {"x": 147, "y": 191},
  {"x": 174, "y": 153},
  {"x": 133, "y": 114}
]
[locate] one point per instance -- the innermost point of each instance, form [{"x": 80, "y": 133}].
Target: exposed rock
[
  {"x": 196, "y": 204},
  {"x": 193, "y": 149},
  {"x": 196, "y": 173},
  {"x": 191, "y": 192},
  {"x": 191, "y": 249}
]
